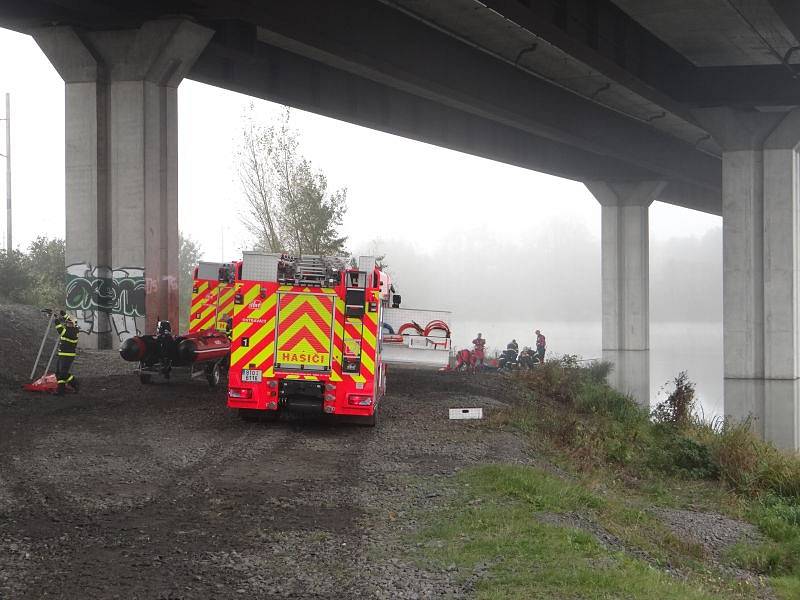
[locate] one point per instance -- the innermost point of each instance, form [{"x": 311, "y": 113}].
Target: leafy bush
[
  {"x": 560, "y": 379},
  {"x": 678, "y": 408},
  {"x": 597, "y": 371},
  {"x": 15, "y": 275},
  {"x": 677, "y": 454},
  {"x": 46, "y": 260},
  {"x": 601, "y": 427},
  {"x": 753, "y": 466},
  {"x": 36, "y": 276},
  {"x": 601, "y": 399}
]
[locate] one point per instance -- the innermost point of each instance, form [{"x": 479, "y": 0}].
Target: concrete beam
[
  {"x": 625, "y": 261},
  {"x": 604, "y": 45},
  {"x": 787, "y": 11},
  {"x": 750, "y": 86},
  {"x": 280, "y": 76},
  {"x": 689, "y": 196},
  {"x": 122, "y": 170},
  {"x": 395, "y": 50}
]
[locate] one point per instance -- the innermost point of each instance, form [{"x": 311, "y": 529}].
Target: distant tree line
[
  {"x": 34, "y": 276},
  {"x": 552, "y": 273},
  {"x": 37, "y": 275}
]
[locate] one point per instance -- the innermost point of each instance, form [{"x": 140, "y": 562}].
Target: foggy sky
[{"x": 550, "y": 273}]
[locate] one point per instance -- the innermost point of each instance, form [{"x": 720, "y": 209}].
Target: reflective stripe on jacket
[{"x": 68, "y": 338}]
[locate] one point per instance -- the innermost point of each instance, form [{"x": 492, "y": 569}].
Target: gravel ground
[
  {"x": 716, "y": 534},
  {"x": 161, "y": 492}
]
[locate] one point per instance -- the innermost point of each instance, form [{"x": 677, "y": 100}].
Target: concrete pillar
[
  {"x": 122, "y": 170},
  {"x": 631, "y": 374},
  {"x": 772, "y": 407},
  {"x": 761, "y": 250},
  {"x": 625, "y": 261},
  {"x": 761, "y": 225}
]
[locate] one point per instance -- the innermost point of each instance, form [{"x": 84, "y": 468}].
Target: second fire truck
[{"x": 307, "y": 336}]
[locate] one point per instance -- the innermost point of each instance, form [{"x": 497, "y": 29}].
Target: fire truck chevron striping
[
  {"x": 212, "y": 296},
  {"x": 204, "y": 304},
  {"x": 306, "y": 336},
  {"x": 225, "y": 294}
]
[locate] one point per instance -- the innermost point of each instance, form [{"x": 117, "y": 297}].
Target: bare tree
[
  {"x": 289, "y": 206},
  {"x": 255, "y": 158}
]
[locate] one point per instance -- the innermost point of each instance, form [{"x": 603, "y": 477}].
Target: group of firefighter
[{"x": 510, "y": 357}]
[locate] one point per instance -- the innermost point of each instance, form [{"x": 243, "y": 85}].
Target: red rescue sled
[{"x": 46, "y": 383}]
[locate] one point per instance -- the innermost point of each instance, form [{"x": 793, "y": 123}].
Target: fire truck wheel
[
  {"x": 213, "y": 375},
  {"x": 145, "y": 378},
  {"x": 370, "y": 421}
]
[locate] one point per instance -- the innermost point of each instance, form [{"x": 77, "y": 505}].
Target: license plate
[{"x": 251, "y": 375}]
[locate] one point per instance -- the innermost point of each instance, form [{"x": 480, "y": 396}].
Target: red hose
[
  {"x": 437, "y": 325},
  {"x": 412, "y": 325}
]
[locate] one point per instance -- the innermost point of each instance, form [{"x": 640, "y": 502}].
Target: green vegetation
[
  {"x": 495, "y": 522},
  {"x": 35, "y": 276},
  {"x": 621, "y": 461},
  {"x": 189, "y": 254}
]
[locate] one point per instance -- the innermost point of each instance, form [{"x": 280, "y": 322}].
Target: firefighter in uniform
[
  {"x": 67, "y": 347},
  {"x": 479, "y": 349},
  {"x": 541, "y": 346}
]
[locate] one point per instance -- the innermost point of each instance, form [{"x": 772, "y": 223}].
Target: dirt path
[{"x": 161, "y": 492}]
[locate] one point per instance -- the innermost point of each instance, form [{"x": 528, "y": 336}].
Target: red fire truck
[{"x": 307, "y": 337}]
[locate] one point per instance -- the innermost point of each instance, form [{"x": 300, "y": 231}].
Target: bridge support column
[
  {"x": 122, "y": 171},
  {"x": 761, "y": 257},
  {"x": 625, "y": 261}
]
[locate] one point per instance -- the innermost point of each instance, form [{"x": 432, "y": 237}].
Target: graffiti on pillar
[{"x": 107, "y": 300}]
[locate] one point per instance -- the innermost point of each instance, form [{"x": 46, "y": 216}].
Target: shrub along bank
[{"x": 618, "y": 465}]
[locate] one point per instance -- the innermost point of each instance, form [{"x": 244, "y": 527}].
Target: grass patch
[
  {"x": 667, "y": 457},
  {"x": 493, "y": 522}
]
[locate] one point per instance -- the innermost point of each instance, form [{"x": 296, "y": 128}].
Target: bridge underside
[{"x": 693, "y": 104}]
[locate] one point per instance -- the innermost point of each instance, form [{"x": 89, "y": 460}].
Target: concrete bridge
[{"x": 687, "y": 103}]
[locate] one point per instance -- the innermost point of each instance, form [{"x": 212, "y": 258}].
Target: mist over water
[{"x": 550, "y": 279}]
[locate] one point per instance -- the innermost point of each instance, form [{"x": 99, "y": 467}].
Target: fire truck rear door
[{"x": 304, "y": 336}]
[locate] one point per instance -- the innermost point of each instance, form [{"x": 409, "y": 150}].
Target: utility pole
[{"x": 7, "y": 156}]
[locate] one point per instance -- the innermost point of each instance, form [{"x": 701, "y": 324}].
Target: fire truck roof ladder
[{"x": 318, "y": 270}]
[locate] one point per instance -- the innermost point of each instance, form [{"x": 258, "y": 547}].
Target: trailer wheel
[
  {"x": 145, "y": 378},
  {"x": 213, "y": 375}
]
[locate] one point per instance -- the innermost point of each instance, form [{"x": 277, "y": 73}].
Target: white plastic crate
[{"x": 466, "y": 413}]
